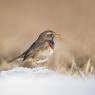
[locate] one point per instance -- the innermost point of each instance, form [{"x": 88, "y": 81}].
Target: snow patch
[{"x": 41, "y": 81}]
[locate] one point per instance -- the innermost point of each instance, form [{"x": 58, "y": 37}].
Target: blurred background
[{"x": 21, "y": 21}]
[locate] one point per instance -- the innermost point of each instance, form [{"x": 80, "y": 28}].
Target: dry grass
[{"x": 76, "y": 66}]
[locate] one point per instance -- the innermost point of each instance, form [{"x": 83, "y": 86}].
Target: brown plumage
[{"x": 41, "y": 49}]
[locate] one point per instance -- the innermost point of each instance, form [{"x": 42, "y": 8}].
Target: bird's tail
[{"x": 16, "y": 58}]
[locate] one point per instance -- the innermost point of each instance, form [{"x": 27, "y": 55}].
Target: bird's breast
[
  {"x": 47, "y": 52},
  {"x": 43, "y": 55},
  {"x": 50, "y": 51}
]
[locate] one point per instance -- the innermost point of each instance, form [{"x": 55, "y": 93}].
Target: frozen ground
[{"x": 41, "y": 81}]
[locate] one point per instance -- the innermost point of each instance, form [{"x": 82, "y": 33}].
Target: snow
[{"x": 41, "y": 81}]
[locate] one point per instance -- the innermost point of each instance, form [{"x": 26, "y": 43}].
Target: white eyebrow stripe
[{"x": 49, "y": 33}]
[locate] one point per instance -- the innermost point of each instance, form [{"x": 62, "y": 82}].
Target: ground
[{"x": 42, "y": 81}]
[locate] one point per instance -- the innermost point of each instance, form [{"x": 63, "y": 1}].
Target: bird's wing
[
  {"x": 29, "y": 52},
  {"x": 32, "y": 50}
]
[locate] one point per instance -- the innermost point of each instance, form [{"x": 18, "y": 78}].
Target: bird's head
[{"x": 49, "y": 35}]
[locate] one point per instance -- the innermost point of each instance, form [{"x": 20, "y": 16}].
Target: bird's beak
[{"x": 59, "y": 36}]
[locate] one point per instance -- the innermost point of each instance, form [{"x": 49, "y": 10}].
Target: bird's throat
[{"x": 51, "y": 43}]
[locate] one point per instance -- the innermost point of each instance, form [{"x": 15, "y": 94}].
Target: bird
[{"x": 40, "y": 51}]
